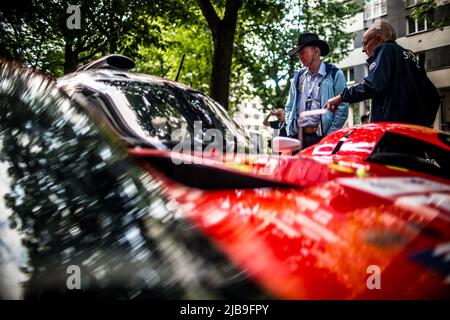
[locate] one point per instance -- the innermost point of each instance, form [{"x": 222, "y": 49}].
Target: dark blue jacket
[{"x": 397, "y": 85}]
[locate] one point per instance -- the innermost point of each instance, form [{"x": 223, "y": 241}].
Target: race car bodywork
[{"x": 344, "y": 221}]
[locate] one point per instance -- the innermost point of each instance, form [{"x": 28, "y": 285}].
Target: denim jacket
[{"x": 329, "y": 87}]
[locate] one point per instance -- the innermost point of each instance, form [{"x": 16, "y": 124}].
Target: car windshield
[
  {"x": 160, "y": 110},
  {"x": 406, "y": 152}
]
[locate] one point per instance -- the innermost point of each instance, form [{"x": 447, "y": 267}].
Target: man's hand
[
  {"x": 332, "y": 103},
  {"x": 266, "y": 119}
]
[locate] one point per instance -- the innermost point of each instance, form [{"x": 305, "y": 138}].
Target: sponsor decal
[
  {"x": 395, "y": 186},
  {"x": 424, "y": 196}
]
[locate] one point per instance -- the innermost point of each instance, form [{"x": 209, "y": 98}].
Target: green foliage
[
  {"x": 193, "y": 40},
  {"x": 428, "y": 9},
  {"x": 35, "y": 32},
  {"x": 27, "y": 36}
]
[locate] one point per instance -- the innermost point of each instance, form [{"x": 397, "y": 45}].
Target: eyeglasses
[{"x": 365, "y": 42}]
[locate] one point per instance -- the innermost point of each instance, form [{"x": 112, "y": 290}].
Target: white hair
[{"x": 384, "y": 29}]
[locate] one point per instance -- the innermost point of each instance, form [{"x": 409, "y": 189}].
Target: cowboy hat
[{"x": 310, "y": 39}]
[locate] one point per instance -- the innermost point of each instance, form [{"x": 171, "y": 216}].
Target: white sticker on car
[
  {"x": 394, "y": 186},
  {"x": 438, "y": 200}
]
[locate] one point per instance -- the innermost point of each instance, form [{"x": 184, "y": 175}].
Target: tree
[
  {"x": 268, "y": 67},
  {"x": 234, "y": 12},
  {"x": 27, "y": 37},
  {"x": 223, "y": 31},
  {"x": 428, "y": 9},
  {"x": 191, "y": 39},
  {"x": 36, "y": 34}
]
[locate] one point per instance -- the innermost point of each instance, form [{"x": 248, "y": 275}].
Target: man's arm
[
  {"x": 357, "y": 93},
  {"x": 376, "y": 81},
  {"x": 341, "y": 113},
  {"x": 266, "y": 119},
  {"x": 273, "y": 124}
]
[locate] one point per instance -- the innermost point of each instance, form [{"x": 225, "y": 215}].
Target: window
[
  {"x": 349, "y": 75},
  {"x": 416, "y": 26},
  {"x": 374, "y": 9},
  {"x": 152, "y": 108},
  {"x": 256, "y": 116},
  {"x": 156, "y": 111}
]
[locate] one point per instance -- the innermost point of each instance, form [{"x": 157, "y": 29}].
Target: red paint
[{"x": 316, "y": 242}]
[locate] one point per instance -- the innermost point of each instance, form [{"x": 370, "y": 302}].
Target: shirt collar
[{"x": 322, "y": 69}]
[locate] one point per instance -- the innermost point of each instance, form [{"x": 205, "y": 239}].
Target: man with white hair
[{"x": 398, "y": 86}]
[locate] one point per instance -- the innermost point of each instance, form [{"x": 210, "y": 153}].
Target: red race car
[
  {"x": 367, "y": 216},
  {"x": 362, "y": 215}
]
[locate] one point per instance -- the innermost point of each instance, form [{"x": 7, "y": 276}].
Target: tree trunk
[
  {"x": 70, "y": 57},
  {"x": 221, "y": 68},
  {"x": 223, "y": 34}
]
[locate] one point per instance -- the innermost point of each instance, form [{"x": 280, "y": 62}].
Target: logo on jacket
[
  {"x": 372, "y": 65},
  {"x": 409, "y": 55}
]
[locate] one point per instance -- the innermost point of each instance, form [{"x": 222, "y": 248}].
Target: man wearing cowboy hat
[{"x": 310, "y": 90}]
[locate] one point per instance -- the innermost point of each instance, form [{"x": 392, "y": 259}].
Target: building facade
[
  {"x": 250, "y": 116},
  {"x": 432, "y": 46}
]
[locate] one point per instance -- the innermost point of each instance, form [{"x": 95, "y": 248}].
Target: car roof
[{"x": 112, "y": 74}]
